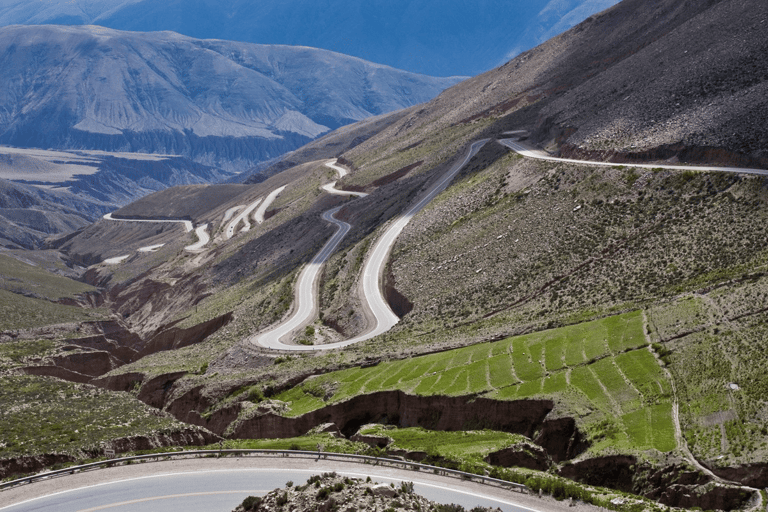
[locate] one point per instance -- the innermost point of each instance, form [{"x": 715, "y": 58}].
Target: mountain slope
[
  {"x": 624, "y": 304},
  {"x": 430, "y": 37},
  {"x": 29, "y": 214},
  {"x": 220, "y": 103},
  {"x": 643, "y": 81}
]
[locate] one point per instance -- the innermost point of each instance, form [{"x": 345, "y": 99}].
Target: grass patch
[
  {"x": 19, "y": 353},
  {"x": 309, "y": 442},
  {"x": 20, "y": 312},
  {"x": 459, "y": 446},
  {"x": 19, "y": 277}
]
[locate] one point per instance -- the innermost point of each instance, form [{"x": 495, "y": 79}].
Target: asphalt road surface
[
  {"x": 202, "y": 239},
  {"x": 242, "y": 217},
  {"x": 212, "y": 485}
]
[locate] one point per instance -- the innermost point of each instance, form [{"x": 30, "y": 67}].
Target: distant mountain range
[
  {"x": 433, "y": 37},
  {"x": 45, "y": 193},
  {"x": 224, "y": 104}
]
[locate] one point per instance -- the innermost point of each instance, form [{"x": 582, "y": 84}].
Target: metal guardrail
[{"x": 415, "y": 466}]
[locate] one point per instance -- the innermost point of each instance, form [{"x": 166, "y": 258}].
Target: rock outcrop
[
  {"x": 676, "y": 485},
  {"x": 31, "y": 464},
  {"x": 522, "y": 455},
  {"x": 329, "y": 492}
]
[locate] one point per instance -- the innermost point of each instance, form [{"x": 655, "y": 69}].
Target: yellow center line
[{"x": 169, "y": 497}]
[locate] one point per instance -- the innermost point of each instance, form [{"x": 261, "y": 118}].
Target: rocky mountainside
[
  {"x": 640, "y": 81},
  {"x": 220, "y": 103},
  {"x": 419, "y": 36}
]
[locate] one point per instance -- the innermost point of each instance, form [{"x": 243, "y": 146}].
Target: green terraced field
[
  {"x": 604, "y": 369},
  {"x": 473, "y": 445}
]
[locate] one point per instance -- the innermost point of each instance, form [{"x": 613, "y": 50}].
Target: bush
[
  {"x": 251, "y": 503},
  {"x": 449, "y": 508},
  {"x": 255, "y": 395}
]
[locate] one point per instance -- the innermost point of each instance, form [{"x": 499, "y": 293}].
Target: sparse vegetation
[
  {"x": 46, "y": 415},
  {"x": 19, "y": 312}
]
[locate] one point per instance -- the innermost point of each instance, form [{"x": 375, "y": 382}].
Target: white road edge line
[{"x": 172, "y": 497}]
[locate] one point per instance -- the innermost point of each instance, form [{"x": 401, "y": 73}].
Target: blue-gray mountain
[
  {"x": 225, "y": 104},
  {"x": 434, "y": 37}
]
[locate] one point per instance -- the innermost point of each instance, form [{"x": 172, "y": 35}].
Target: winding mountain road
[
  {"x": 306, "y": 289},
  {"x": 331, "y": 187},
  {"x": 531, "y": 152},
  {"x": 202, "y": 239},
  {"x": 242, "y": 217},
  {"x": 187, "y": 224},
  {"x": 262, "y": 209},
  {"x": 220, "y": 484},
  {"x": 200, "y": 231}
]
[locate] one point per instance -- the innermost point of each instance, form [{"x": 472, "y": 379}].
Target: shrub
[
  {"x": 255, "y": 395},
  {"x": 251, "y": 503},
  {"x": 449, "y": 508}
]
